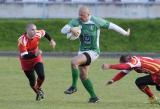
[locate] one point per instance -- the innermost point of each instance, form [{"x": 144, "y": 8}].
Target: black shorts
[
  {"x": 88, "y": 62},
  {"x": 146, "y": 80}
]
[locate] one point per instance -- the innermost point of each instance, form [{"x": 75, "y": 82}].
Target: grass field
[{"x": 15, "y": 92}]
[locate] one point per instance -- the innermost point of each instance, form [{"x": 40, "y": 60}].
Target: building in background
[
  {"x": 58, "y": 8},
  {"x": 78, "y": 1}
]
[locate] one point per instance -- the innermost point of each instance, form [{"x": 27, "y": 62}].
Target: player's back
[{"x": 149, "y": 64}]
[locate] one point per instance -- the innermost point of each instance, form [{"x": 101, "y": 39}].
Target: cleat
[
  {"x": 40, "y": 95},
  {"x": 93, "y": 100},
  {"x": 70, "y": 90},
  {"x": 153, "y": 100}
]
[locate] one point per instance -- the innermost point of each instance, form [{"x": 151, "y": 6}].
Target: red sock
[{"x": 147, "y": 91}]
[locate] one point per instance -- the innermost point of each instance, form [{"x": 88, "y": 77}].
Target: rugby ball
[{"x": 71, "y": 36}]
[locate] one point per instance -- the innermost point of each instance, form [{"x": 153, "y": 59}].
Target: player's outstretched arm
[
  {"x": 116, "y": 66},
  {"x": 119, "y": 29},
  {"x": 117, "y": 77},
  {"x": 52, "y": 42},
  {"x": 109, "y": 82},
  {"x": 105, "y": 66}
]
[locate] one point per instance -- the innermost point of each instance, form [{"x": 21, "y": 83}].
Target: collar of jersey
[{"x": 89, "y": 21}]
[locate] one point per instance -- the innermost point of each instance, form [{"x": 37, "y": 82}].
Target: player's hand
[
  {"x": 53, "y": 43},
  {"x": 38, "y": 52},
  {"x": 128, "y": 32},
  {"x": 109, "y": 82},
  {"x": 105, "y": 66},
  {"x": 74, "y": 31}
]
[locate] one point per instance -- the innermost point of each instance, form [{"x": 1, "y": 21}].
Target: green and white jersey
[{"x": 90, "y": 32}]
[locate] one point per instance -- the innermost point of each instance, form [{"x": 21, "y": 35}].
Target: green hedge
[{"x": 145, "y": 35}]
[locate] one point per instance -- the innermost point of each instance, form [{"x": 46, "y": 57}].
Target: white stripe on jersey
[
  {"x": 98, "y": 34},
  {"x": 24, "y": 53},
  {"x": 23, "y": 40},
  {"x": 126, "y": 71},
  {"x": 137, "y": 64}
]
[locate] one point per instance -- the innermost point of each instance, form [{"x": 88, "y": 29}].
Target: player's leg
[
  {"x": 142, "y": 83},
  {"x": 88, "y": 84},
  {"x": 39, "y": 68},
  {"x": 32, "y": 79},
  {"x": 75, "y": 62},
  {"x": 158, "y": 87}
]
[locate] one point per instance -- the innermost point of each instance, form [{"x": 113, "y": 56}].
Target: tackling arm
[
  {"x": 47, "y": 36},
  {"x": 117, "y": 77},
  {"x": 52, "y": 42},
  {"x": 120, "y": 66}
]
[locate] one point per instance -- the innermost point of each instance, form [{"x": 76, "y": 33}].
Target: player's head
[
  {"x": 84, "y": 14},
  {"x": 125, "y": 58},
  {"x": 31, "y": 30}
]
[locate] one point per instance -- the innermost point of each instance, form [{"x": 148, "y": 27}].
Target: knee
[
  {"x": 137, "y": 82},
  {"x": 74, "y": 63},
  {"x": 158, "y": 87},
  {"x": 32, "y": 83}
]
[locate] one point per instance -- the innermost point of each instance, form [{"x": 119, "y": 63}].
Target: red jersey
[
  {"x": 26, "y": 46},
  {"x": 145, "y": 65},
  {"x": 140, "y": 65}
]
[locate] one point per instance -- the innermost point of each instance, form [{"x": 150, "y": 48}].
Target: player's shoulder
[
  {"x": 74, "y": 22},
  {"x": 22, "y": 39},
  {"x": 96, "y": 18},
  {"x": 135, "y": 60}
]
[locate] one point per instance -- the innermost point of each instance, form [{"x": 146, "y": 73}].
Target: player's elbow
[
  {"x": 62, "y": 31},
  {"x": 65, "y": 29}
]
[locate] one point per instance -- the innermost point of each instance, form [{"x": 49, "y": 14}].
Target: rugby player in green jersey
[{"x": 89, "y": 47}]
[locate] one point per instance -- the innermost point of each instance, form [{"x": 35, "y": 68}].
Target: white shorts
[{"x": 94, "y": 55}]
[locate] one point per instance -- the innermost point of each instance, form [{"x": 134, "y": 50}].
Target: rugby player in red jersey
[
  {"x": 140, "y": 64},
  {"x": 31, "y": 58}
]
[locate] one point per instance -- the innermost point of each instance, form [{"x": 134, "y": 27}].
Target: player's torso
[
  {"x": 89, "y": 38},
  {"x": 32, "y": 44},
  {"x": 148, "y": 65}
]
